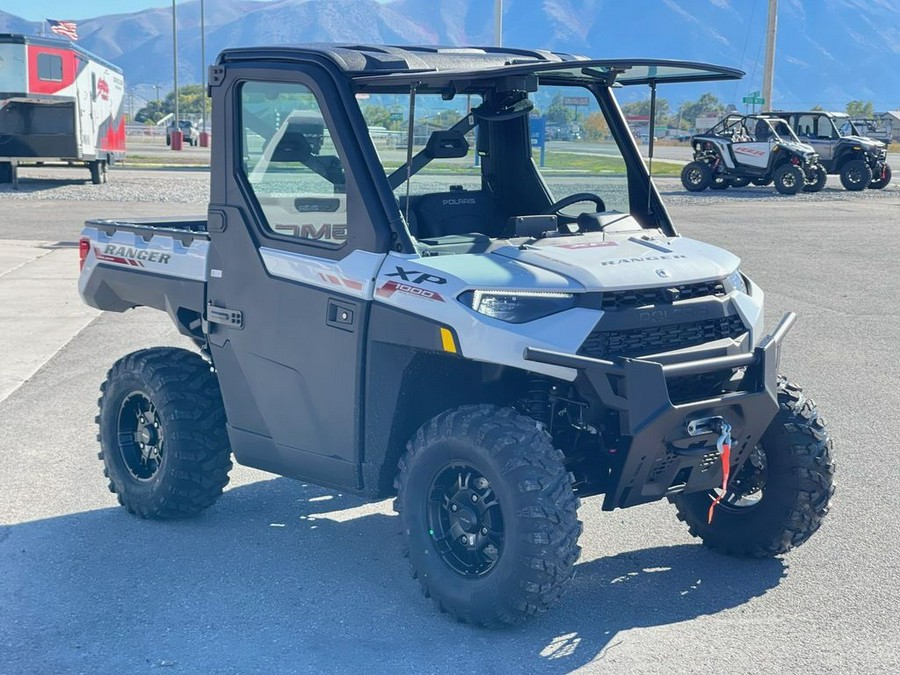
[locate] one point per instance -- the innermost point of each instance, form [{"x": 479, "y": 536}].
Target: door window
[{"x": 291, "y": 163}]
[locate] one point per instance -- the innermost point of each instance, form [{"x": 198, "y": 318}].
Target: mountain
[{"x": 828, "y": 53}]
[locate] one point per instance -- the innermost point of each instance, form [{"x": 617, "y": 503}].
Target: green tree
[
  {"x": 689, "y": 111},
  {"x": 643, "y": 108},
  {"x": 190, "y": 102},
  {"x": 559, "y": 113},
  {"x": 860, "y": 109}
]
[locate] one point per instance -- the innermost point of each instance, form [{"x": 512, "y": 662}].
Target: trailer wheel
[
  {"x": 488, "y": 515},
  {"x": 162, "y": 435},
  {"x": 98, "y": 171},
  {"x": 6, "y": 172}
]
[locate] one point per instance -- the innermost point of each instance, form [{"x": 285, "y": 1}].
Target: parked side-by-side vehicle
[{"x": 485, "y": 341}]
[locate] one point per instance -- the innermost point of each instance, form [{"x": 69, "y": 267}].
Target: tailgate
[{"x": 159, "y": 264}]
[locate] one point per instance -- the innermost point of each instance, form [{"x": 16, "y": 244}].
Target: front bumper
[{"x": 662, "y": 453}]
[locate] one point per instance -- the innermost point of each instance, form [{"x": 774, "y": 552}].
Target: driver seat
[{"x": 439, "y": 214}]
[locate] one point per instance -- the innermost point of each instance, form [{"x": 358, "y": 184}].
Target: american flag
[{"x": 65, "y": 28}]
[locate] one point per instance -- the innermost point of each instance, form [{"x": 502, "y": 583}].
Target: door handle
[
  {"x": 233, "y": 318},
  {"x": 341, "y": 315}
]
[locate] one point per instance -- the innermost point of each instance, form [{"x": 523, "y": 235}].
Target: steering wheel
[{"x": 556, "y": 207}]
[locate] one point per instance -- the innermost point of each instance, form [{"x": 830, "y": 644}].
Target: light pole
[
  {"x": 158, "y": 104},
  {"x": 204, "y": 137},
  {"x": 175, "y": 136}
]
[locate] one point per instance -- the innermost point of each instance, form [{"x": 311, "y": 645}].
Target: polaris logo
[
  {"x": 649, "y": 258},
  {"x": 458, "y": 202}
]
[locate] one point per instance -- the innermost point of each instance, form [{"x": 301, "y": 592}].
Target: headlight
[
  {"x": 517, "y": 306},
  {"x": 735, "y": 282}
]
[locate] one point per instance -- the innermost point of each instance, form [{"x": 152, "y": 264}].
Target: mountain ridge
[{"x": 827, "y": 53}]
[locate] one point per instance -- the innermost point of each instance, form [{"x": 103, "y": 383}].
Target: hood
[
  {"x": 799, "y": 148},
  {"x": 640, "y": 261},
  {"x": 865, "y": 141}
]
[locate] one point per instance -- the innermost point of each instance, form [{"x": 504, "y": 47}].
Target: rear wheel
[
  {"x": 488, "y": 515},
  {"x": 788, "y": 179},
  {"x": 162, "y": 433},
  {"x": 821, "y": 177},
  {"x": 856, "y": 175},
  {"x": 696, "y": 176},
  {"x": 778, "y": 499},
  {"x": 881, "y": 181}
]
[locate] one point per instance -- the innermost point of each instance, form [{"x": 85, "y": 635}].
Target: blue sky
[{"x": 35, "y": 10}]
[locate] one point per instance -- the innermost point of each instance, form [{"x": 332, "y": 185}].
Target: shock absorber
[{"x": 537, "y": 399}]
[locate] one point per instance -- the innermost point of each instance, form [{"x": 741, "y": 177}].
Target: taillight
[{"x": 84, "y": 247}]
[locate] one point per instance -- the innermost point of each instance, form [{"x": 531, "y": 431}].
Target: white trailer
[{"x": 58, "y": 102}]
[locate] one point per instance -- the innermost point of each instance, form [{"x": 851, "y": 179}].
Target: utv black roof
[{"x": 394, "y": 65}]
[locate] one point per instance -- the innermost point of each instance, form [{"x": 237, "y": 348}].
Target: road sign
[
  {"x": 538, "y": 131},
  {"x": 396, "y": 116},
  {"x": 756, "y": 100},
  {"x": 576, "y": 100}
]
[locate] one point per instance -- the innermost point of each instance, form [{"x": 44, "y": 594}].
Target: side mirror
[{"x": 446, "y": 145}]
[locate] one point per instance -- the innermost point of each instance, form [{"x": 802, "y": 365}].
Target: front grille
[
  {"x": 613, "y": 300},
  {"x": 602, "y": 344}
]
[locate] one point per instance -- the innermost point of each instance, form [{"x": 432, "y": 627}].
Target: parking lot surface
[{"x": 281, "y": 576}]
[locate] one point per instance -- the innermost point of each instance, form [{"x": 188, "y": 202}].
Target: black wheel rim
[
  {"x": 747, "y": 488},
  {"x": 695, "y": 176},
  {"x": 854, "y": 176},
  {"x": 465, "y": 520},
  {"x": 789, "y": 180},
  {"x": 140, "y": 436}
]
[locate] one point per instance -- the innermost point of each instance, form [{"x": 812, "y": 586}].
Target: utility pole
[
  {"x": 176, "y": 130},
  {"x": 202, "y": 68},
  {"x": 498, "y": 22},
  {"x": 769, "y": 71}
]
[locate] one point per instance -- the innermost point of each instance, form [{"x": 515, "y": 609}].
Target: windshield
[{"x": 479, "y": 161}]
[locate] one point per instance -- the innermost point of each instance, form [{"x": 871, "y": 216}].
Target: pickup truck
[{"x": 446, "y": 322}]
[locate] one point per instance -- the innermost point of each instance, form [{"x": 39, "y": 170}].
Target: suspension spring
[{"x": 537, "y": 400}]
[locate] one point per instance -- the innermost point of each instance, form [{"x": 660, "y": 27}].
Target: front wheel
[
  {"x": 818, "y": 181},
  {"x": 778, "y": 499},
  {"x": 488, "y": 515},
  {"x": 881, "y": 181},
  {"x": 162, "y": 435},
  {"x": 696, "y": 176},
  {"x": 856, "y": 175},
  {"x": 789, "y": 179}
]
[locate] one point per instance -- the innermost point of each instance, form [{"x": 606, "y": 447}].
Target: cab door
[{"x": 294, "y": 249}]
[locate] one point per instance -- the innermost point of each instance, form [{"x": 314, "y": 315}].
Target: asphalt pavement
[{"x": 281, "y": 576}]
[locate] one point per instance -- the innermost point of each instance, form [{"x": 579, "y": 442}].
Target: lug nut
[
  {"x": 474, "y": 498},
  {"x": 464, "y": 539},
  {"x": 454, "y": 508},
  {"x": 484, "y": 530},
  {"x": 141, "y": 446},
  {"x": 156, "y": 425}
]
